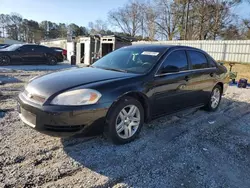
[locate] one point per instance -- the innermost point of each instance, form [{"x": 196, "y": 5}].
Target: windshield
[
  {"x": 135, "y": 60},
  {"x": 12, "y": 47}
]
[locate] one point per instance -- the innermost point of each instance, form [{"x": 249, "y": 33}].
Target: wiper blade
[{"x": 113, "y": 69}]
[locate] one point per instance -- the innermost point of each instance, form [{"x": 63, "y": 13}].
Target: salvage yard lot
[
  {"x": 189, "y": 149},
  {"x": 242, "y": 69}
]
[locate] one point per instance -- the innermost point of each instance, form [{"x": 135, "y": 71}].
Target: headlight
[{"x": 77, "y": 97}]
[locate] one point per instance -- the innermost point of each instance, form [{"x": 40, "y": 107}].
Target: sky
[{"x": 80, "y": 12}]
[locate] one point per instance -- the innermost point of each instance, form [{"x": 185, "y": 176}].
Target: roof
[{"x": 160, "y": 46}]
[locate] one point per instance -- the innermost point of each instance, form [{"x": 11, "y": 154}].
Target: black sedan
[
  {"x": 29, "y": 54},
  {"x": 123, "y": 90}
]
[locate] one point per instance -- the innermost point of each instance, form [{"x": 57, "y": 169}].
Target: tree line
[
  {"x": 182, "y": 19},
  {"x": 144, "y": 20},
  {"x": 15, "y": 27}
]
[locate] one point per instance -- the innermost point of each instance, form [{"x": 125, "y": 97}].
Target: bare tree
[
  {"x": 128, "y": 18},
  {"x": 98, "y": 27},
  {"x": 168, "y": 18}
]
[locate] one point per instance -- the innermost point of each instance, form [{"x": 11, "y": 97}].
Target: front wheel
[
  {"x": 125, "y": 121},
  {"x": 4, "y": 60},
  {"x": 52, "y": 60},
  {"x": 215, "y": 99}
]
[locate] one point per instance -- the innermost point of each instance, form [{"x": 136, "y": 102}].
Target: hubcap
[
  {"x": 128, "y": 121},
  {"x": 215, "y": 99},
  {"x": 52, "y": 60},
  {"x": 3, "y": 60}
]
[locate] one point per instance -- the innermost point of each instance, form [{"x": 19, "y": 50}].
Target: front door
[
  {"x": 172, "y": 88},
  {"x": 27, "y": 53}
]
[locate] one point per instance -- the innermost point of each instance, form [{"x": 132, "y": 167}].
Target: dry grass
[{"x": 242, "y": 69}]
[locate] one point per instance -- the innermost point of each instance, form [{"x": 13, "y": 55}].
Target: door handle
[
  {"x": 211, "y": 74},
  {"x": 186, "y": 78}
]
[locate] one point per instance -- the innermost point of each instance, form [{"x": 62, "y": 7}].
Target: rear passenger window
[
  {"x": 41, "y": 49},
  {"x": 176, "y": 60},
  {"x": 211, "y": 62},
  {"x": 198, "y": 60}
]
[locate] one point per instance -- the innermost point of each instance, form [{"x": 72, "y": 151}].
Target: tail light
[{"x": 64, "y": 52}]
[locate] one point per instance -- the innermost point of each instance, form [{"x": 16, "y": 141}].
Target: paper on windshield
[{"x": 150, "y": 53}]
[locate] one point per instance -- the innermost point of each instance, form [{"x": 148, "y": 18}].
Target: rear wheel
[
  {"x": 4, "y": 60},
  {"x": 215, "y": 99},
  {"x": 125, "y": 121},
  {"x": 52, "y": 60}
]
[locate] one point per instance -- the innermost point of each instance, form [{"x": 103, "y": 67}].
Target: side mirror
[
  {"x": 221, "y": 63},
  {"x": 169, "y": 69},
  {"x": 18, "y": 49}
]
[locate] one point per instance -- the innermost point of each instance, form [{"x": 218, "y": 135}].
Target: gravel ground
[{"x": 189, "y": 149}]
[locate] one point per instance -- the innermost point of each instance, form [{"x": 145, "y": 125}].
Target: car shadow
[{"x": 192, "y": 148}]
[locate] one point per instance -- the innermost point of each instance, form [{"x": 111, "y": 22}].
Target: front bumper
[
  {"x": 62, "y": 121},
  {"x": 225, "y": 87}
]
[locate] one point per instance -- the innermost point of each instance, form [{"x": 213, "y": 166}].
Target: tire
[
  {"x": 216, "y": 94},
  {"x": 52, "y": 60},
  {"x": 122, "y": 131},
  {"x": 4, "y": 60}
]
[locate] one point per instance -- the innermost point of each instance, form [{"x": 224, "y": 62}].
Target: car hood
[{"x": 53, "y": 83}]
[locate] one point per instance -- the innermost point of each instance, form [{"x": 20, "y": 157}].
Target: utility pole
[
  {"x": 142, "y": 30},
  {"x": 187, "y": 15}
]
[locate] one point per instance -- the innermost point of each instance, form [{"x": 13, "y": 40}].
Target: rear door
[
  {"x": 41, "y": 53},
  {"x": 172, "y": 90},
  {"x": 202, "y": 77}
]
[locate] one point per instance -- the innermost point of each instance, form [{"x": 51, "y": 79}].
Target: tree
[
  {"x": 62, "y": 29},
  {"x": 76, "y": 30},
  {"x": 168, "y": 18},
  {"x": 128, "y": 18},
  {"x": 149, "y": 23},
  {"x": 231, "y": 33},
  {"x": 48, "y": 29},
  {"x": 14, "y": 23},
  {"x": 98, "y": 27},
  {"x": 246, "y": 28}
]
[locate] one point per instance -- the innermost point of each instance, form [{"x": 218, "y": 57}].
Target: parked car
[
  {"x": 4, "y": 46},
  {"x": 63, "y": 51},
  {"x": 123, "y": 90},
  {"x": 29, "y": 54}
]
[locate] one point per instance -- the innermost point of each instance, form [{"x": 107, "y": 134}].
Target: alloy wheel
[
  {"x": 215, "y": 98},
  {"x": 128, "y": 121},
  {"x": 52, "y": 60},
  {"x": 4, "y": 60}
]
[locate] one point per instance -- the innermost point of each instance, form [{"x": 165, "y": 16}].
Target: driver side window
[{"x": 176, "y": 61}]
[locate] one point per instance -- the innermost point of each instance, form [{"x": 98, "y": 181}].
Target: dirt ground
[
  {"x": 243, "y": 70},
  {"x": 189, "y": 149}
]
